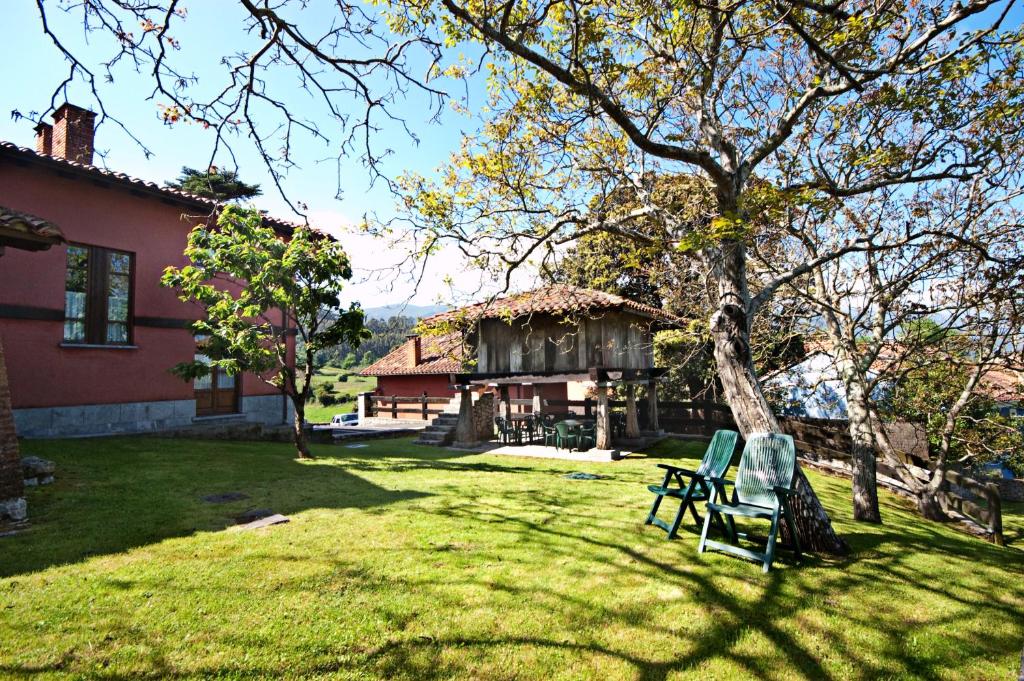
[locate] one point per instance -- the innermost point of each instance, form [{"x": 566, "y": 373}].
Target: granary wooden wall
[{"x": 545, "y": 343}]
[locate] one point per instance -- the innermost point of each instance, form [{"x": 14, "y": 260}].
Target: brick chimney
[
  {"x": 44, "y": 138},
  {"x": 415, "y": 350},
  {"x": 72, "y": 134}
]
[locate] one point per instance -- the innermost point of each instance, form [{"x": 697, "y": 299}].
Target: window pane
[
  {"x": 75, "y": 285},
  {"x": 74, "y": 332},
  {"x": 74, "y": 305},
  {"x": 118, "y": 286},
  {"x": 117, "y": 293},
  {"x": 117, "y": 333},
  {"x": 117, "y": 309},
  {"x": 202, "y": 382},
  {"x": 224, "y": 381},
  {"x": 119, "y": 263}
]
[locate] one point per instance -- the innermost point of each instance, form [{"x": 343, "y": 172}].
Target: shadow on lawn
[
  {"x": 784, "y": 611},
  {"x": 115, "y": 494}
]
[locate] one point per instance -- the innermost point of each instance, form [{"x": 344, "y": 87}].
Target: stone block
[
  {"x": 159, "y": 411},
  {"x": 33, "y": 422},
  {"x": 15, "y": 509}
]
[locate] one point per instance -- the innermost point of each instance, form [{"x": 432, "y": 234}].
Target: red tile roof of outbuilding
[{"x": 438, "y": 355}]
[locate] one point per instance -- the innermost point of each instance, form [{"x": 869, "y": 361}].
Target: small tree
[
  {"x": 269, "y": 284},
  {"x": 214, "y": 183},
  {"x": 367, "y": 359},
  {"x": 349, "y": 361}
]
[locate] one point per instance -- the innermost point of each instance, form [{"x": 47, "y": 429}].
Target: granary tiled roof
[
  {"x": 438, "y": 355},
  {"x": 135, "y": 183},
  {"x": 557, "y": 299}
]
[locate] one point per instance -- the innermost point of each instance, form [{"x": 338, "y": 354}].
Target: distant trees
[
  {"x": 385, "y": 336},
  {"x": 214, "y": 183}
]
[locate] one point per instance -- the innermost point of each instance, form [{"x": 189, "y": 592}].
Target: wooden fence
[{"x": 396, "y": 407}]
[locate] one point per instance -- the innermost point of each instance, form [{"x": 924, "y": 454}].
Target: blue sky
[{"x": 40, "y": 67}]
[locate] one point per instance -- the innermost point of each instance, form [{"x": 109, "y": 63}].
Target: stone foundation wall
[
  {"x": 137, "y": 417},
  {"x": 104, "y": 419}
]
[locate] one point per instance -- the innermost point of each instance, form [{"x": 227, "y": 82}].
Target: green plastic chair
[
  {"x": 714, "y": 464},
  {"x": 550, "y": 435},
  {"x": 763, "y": 487},
  {"x": 564, "y": 437},
  {"x": 588, "y": 436}
]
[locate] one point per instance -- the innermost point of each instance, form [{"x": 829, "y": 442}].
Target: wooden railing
[
  {"x": 989, "y": 516},
  {"x": 396, "y": 407}
]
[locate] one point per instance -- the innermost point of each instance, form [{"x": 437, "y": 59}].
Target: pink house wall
[{"x": 42, "y": 373}]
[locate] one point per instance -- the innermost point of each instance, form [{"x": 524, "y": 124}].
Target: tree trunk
[
  {"x": 731, "y": 332},
  {"x": 12, "y": 482},
  {"x": 299, "y": 430},
  {"x": 863, "y": 455}
]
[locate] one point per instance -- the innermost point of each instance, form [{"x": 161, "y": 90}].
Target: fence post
[
  {"x": 365, "y": 406},
  {"x": 995, "y": 513},
  {"x": 394, "y": 406},
  {"x": 424, "y": 398}
]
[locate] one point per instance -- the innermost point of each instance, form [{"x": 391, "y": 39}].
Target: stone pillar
[
  {"x": 506, "y": 402},
  {"x": 604, "y": 419},
  {"x": 465, "y": 429},
  {"x": 365, "y": 406},
  {"x": 12, "y": 480},
  {"x": 652, "y": 407},
  {"x": 632, "y": 422}
]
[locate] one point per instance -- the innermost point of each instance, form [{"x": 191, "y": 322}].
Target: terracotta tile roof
[
  {"x": 16, "y": 221},
  {"x": 183, "y": 197},
  {"x": 438, "y": 355},
  {"x": 558, "y": 299},
  {"x": 1004, "y": 385}
]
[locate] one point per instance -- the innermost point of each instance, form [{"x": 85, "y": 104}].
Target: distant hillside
[{"x": 398, "y": 309}]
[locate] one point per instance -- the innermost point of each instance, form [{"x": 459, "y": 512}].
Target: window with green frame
[{"x": 98, "y": 296}]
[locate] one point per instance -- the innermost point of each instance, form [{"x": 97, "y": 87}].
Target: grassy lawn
[
  {"x": 352, "y": 386},
  {"x": 420, "y": 563}
]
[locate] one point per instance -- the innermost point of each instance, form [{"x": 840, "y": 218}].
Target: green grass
[
  {"x": 355, "y": 384},
  {"x": 419, "y": 563}
]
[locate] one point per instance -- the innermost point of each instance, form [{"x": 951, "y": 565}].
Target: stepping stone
[
  {"x": 584, "y": 476},
  {"x": 224, "y": 498},
  {"x": 275, "y": 519},
  {"x": 356, "y": 446},
  {"x": 253, "y": 514}
]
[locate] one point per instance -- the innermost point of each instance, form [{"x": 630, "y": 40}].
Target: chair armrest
[
  {"x": 677, "y": 469},
  {"x": 720, "y": 481},
  {"x": 783, "y": 492}
]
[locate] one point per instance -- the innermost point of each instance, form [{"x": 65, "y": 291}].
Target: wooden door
[{"x": 216, "y": 393}]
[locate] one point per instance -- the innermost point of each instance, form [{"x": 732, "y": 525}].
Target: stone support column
[
  {"x": 604, "y": 418},
  {"x": 652, "y": 407},
  {"x": 632, "y": 422},
  {"x": 465, "y": 429}
]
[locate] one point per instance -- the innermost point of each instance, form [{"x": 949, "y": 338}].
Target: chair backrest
[
  {"x": 769, "y": 460},
  {"x": 562, "y": 428},
  {"x": 718, "y": 455}
]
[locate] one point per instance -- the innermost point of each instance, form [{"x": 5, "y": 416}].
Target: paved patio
[{"x": 547, "y": 452}]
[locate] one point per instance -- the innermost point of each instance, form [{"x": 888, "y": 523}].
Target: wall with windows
[{"x": 102, "y": 331}]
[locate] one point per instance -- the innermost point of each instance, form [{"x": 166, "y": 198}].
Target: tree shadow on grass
[
  {"x": 114, "y": 494},
  {"x": 786, "y": 610}
]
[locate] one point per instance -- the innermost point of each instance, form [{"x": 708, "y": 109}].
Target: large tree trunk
[
  {"x": 299, "y": 430},
  {"x": 730, "y": 329},
  {"x": 12, "y": 483},
  {"x": 863, "y": 455}
]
